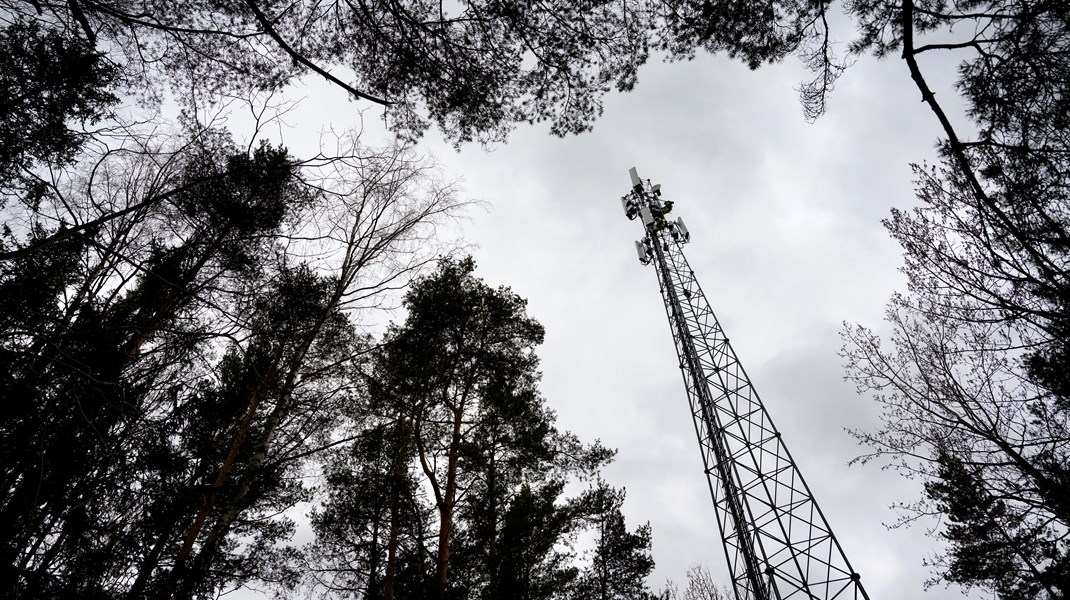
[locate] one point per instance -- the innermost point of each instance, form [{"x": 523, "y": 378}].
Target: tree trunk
[
  {"x": 256, "y": 461},
  {"x": 492, "y": 520},
  {"x": 446, "y": 508},
  {"x": 403, "y": 439},
  {"x": 194, "y": 530},
  {"x": 370, "y": 589}
]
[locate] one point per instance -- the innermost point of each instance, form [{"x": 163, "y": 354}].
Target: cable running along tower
[{"x": 777, "y": 541}]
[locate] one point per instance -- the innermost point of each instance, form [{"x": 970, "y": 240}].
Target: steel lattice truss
[{"x": 777, "y": 541}]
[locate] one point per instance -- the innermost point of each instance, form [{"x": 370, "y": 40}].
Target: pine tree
[{"x": 620, "y": 561}]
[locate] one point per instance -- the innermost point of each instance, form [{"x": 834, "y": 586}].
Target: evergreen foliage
[
  {"x": 49, "y": 82},
  {"x": 176, "y": 372},
  {"x": 465, "y": 493}
]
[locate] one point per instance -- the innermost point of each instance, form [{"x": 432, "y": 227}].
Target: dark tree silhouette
[
  {"x": 620, "y": 561},
  {"x": 474, "y": 70},
  {"x": 49, "y": 82},
  {"x": 458, "y": 431},
  {"x": 136, "y": 462},
  {"x": 974, "y": 386}
]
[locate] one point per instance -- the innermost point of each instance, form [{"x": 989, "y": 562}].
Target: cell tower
[{"x": 777, "y": 541}]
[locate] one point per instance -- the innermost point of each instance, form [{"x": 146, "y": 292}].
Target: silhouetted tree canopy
[
  {"x": 973, "y": 382},
  {"x": 49, "y": 81},
  {"x": 461, "y": 470},
  {"x": 171, "y": 373},
  {"x": 474, "y": 69},
  {"x": 620, "y": 561}
]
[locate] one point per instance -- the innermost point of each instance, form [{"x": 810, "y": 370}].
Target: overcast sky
[{"x": 786, "y": 242}]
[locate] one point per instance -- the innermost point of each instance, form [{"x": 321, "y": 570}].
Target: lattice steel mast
[{"x": 777, "y": 541}]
